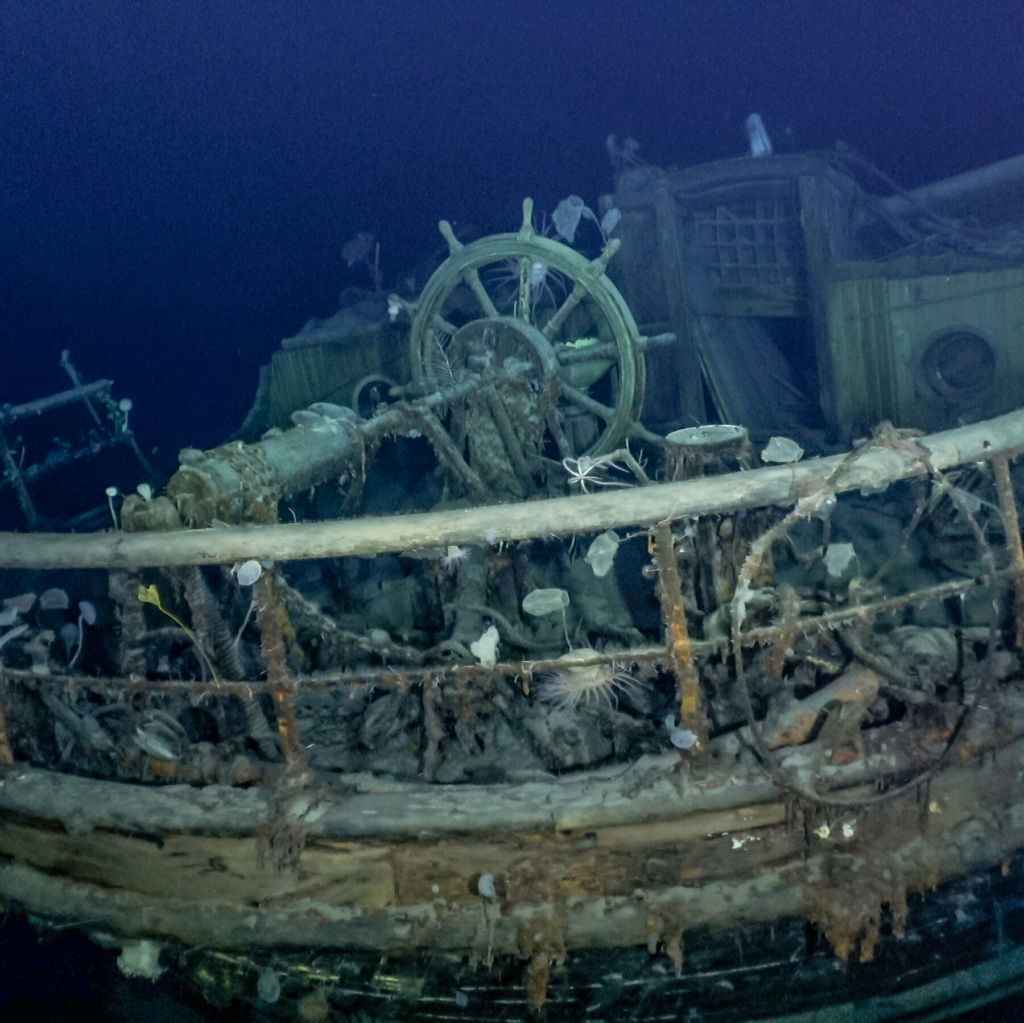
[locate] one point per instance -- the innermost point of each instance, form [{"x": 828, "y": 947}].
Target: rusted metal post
[
  {"x": 279, "y": 682},
  {"x": 1008, "y": 506},
  {"x": 677, "y": 636},
  {"x": 6, "y": 755},
  {"x": 28, "y": 509},
  {"x": 69, "y": 368}
]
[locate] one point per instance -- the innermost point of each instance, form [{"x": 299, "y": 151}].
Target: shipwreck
[{"x": 619, "y": 632}]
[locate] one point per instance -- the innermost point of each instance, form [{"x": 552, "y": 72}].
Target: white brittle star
[{"x": 581, "y": 471}]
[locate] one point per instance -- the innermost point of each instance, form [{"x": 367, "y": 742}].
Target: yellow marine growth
[{"x": 151, "y": 595}]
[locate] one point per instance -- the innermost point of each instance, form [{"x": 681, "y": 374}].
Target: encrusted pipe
[
  {"x": 10, "y": 466},
  {"x": 210, "y": 626}
]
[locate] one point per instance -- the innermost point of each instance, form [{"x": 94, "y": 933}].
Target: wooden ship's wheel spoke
[
  {"x": 603, "y": 413},
  {"x": 562, "y": 313},
  {"x": 472, "y": 278},
  {"x": 440, "y": 323}
]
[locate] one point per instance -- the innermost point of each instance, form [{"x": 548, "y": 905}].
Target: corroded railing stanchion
[
  {"x": 677, "y": 636},
  {"x": 279, "y": 681},
  {"x": 1008, "y": 507},
  {"x": 6, "y": 755}
]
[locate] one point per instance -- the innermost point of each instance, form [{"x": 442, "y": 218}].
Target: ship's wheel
[{"x": 543, "y": 330}]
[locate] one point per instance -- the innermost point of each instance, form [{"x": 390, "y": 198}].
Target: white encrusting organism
[
  {"x": 579, "y": 684},
  {"x": 760, "y": 143}
]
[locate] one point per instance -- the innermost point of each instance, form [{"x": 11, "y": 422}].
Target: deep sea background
[{"x": 178, "y": 179}]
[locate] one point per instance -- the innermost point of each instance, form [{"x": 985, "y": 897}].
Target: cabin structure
[{"x": 803, "y": 300}]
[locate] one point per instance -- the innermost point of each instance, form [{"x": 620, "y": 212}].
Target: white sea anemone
[
  {"x": 578, "y": 684},
  {"x": 453, "y": 557}
]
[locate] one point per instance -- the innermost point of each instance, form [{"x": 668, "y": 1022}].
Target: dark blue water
[{"x": 177, "y": 181}]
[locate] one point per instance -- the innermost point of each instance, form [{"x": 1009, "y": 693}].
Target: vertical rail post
[
  {"x": 279, "y": 683},
  {"x": 1011, "y": 523},
  {"x": 677, "y": 636},
  {"x": 28, "y": 509},
  {"x": 6, "y": 754}
]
